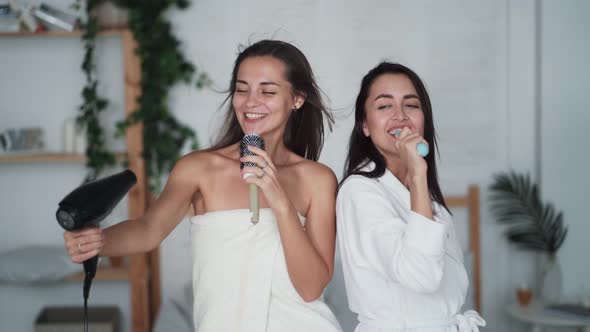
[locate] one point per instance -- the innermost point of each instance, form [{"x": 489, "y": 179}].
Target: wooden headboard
[{"x": 470, "y": 201}]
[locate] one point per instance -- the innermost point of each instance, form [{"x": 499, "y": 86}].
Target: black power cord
[
  {"x": 85, "y": 315},
  {"x": 90, "y": 266}
]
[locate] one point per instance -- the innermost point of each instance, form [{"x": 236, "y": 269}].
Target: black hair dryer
[{"x": 88, "y": 205}]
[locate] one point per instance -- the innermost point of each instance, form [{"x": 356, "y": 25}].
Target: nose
[
  {"x": 252, "y": 100},
  {"x": 398, "y": 113}
]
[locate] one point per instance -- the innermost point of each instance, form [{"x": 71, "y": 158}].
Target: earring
[{"x": 294, "y": 109}]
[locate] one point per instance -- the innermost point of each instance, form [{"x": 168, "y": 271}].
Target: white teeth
[{"x": 254, "y": 115}]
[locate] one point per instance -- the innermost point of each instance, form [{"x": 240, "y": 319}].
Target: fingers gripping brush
[
  {"x": 257, "y": 141},
  {"x": 421, "y": 147}
]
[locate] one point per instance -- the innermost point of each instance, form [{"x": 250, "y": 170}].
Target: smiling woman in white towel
[
  {"x": 403, "y": 266},
  {"x": 268, "y": 276}
]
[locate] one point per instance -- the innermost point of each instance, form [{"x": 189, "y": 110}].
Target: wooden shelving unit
[
  {"x": 49, "y": 157},
  {"x": 141, "y": 270},
  {"x": 76, "y": 33}
]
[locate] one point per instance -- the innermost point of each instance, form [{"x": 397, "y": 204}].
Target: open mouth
[
  {"x": 394, "y": 132},
  {"x": 254, "y": 116}
]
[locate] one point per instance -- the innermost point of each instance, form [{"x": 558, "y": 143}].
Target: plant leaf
[{"x": 535, "y": 225}]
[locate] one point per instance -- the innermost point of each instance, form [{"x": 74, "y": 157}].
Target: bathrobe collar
[{"x": 391, "y": 183}]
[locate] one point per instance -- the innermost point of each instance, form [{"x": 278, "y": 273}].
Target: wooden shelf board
[
  {"x": 107, "y": 32},
  {"x": 104, "y": 273},
  {"x": 48, "y": 157}
]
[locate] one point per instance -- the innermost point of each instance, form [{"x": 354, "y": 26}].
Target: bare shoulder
[
  {"x": 206, "y": 162},
  {"x": 195, "y": 163},
  {"x": 316, "y": 175},
  {"x": 191, "y": 162},
  {"x": 318, "y": 185}
]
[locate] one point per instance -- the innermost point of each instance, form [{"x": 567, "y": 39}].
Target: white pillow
[{"x": 35, "y": 264}]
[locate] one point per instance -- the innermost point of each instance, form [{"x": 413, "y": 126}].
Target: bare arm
[
  {"x": 309, "y": 250},
  {"x": 146, "y": 232}
]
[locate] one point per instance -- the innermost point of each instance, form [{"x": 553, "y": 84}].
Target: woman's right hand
[
  {"x": 84, "y": 244},
  {"x": 406, "y": 143},
  {"x": 416, "y": 177}
]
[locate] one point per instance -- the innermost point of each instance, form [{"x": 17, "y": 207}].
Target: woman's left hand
[{"x": 265, "y": 177}]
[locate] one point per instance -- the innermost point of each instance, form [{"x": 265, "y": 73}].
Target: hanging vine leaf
[{"x": 98, "y": 156}]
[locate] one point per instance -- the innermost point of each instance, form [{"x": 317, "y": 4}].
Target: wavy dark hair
[
  {"x": 304, "y": 133},
  {"x": 362, "y": 151}
]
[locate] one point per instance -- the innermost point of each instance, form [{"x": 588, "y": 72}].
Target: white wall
[
  {"x": 565, "y": 115},
  {"x": 479, "y": 60}
]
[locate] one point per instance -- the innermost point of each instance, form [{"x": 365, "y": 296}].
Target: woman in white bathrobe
[
  {"x": 403, "y": 266},
  {"x": 249, "y": 277}
]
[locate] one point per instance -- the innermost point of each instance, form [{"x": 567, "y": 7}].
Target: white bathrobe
[
  {"x": 240, "y": 278},
  {"x": 402, "y": 271}
]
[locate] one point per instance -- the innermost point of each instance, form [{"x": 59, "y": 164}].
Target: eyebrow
[
  {"x": 262, "y": 83},
  {"x": 386, "y": 95}
]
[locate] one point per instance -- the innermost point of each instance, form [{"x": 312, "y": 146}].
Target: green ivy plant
[
  {"x": 534, "y": 225},
  {"x": 162, "y": 66},
  {"x": 98, "y": 156}
]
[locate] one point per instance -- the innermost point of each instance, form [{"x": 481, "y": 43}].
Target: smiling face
[
  {"x": 392, "y": 104},
  {"x": 263, "y": 98}
]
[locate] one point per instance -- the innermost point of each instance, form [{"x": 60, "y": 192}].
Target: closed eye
[
  {"x": 269, "y": 93},
  {"x": 382, "y": 107}
]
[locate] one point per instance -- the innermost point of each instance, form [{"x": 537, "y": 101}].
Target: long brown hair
[
  {"x": 362, "y": 151},
  {"x": 304, "y": 133}
]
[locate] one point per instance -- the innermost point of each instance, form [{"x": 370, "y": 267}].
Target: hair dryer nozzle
[{"x": 90, "y": 203}]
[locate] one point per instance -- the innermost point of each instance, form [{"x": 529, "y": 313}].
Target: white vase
[
  {"x": 110, "y": 16},
  {"x": 551, "y": 279}
]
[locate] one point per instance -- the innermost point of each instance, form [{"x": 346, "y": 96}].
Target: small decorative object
[
  {"x": 22, "y": 139},
  {"x": 524, "y": 295},
  {"x": 4, "y": 142},
  {"x": 81, "y": 141},
  {"x": 24, "y": 11},
  {"x": 551, "y": 279},
  {"x": 534, "y": 225},
  {"x": 110, "y": 16},
  {"x": 54, "y": 18},
  {"x": 9, "y": 20}
]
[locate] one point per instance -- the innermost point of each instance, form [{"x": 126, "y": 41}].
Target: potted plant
[{"x": 534, "y": 225}]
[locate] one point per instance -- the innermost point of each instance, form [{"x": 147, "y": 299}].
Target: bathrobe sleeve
[{"x": 409, "y": 251}]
